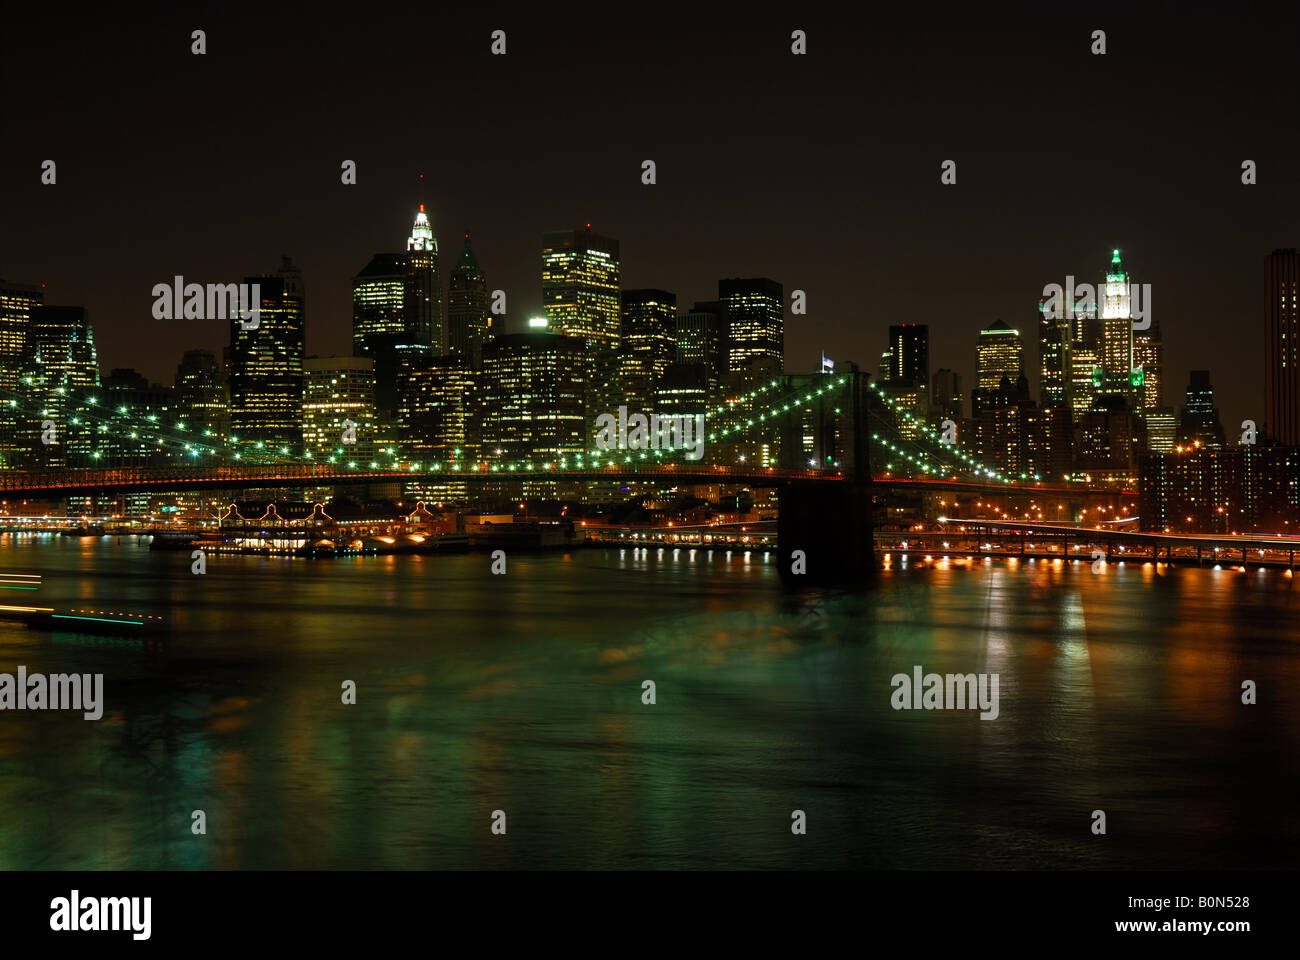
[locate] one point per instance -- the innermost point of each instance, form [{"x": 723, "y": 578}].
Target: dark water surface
[{"x": 522, "y": 693}]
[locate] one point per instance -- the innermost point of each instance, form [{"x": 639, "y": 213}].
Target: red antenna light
[
  {"x": 588, "y": 226},
  {"x": 422, "y": 208}
]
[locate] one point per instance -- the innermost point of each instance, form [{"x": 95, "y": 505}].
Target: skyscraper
[
  {"x": 945, "y": 393},
  {"x": 580, "y": 287},
  {"x": 647, "y": 347},
  {"x": 423, "y": 321},
  {"x": 998, "y": 354},
  {"x": 338, "y": 408},
  {"x": 1085, "y": 378},
  {"x": 105, "y": 433},
  {"x": 1119, "y": 374},
  {"x": 999, "y": 357},
  {"x": 397, "y": 311},
  {"x": 265, "y": 364},
  {"x": 1111, "y": 439},
  {"x": 1162, "y": 429},
  {"x": 467, "y": 308},
  {"x": 534, "y": 401},
  {"x": 1199, "y": 422},
  {"x": 909, "y": 353},
  {"x": 63, "y": 370},
  {"x": 17, "y": 301},
  {"x": 437, "y": 399},
  {"x": 1148, "y": 366},
  {"x": 700, "y": 340},
  {"x": 1281, "y": 355},
  {"x": 754, "y": 320},
  {"x": 201, "y": 394},
  {"x": 1054, "y": 350},
  {"x": 380, "y": 330}
]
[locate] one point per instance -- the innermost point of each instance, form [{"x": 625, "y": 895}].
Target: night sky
[{"x": 820, "y": 171}]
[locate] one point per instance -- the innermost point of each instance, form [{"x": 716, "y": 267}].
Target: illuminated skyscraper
[
  {"x": 908, "y": 380},
  {"x": 534, "y": 401},
  {"x": 106, "y": 432},
  {"x": 1281, "y": 352},
  {"x": 1111, "y": 439},
  {"x": 1085, "y": 378},
  {"x": 1162, "y": 429},
  {"x": 1148, "y": 366},
  {"x": 379, "y": 323},
  {"x": 580, "y": 287},
  {"x": 909, "y": 354},
  {"x": 265, "y": 365},
  {"x": 437, "y": 400},
  {"x": 700, "y": 339},
  {"x": 63, "y": 370},
  {"x": 338, "y": 408},
  {"x": 423, "y": 320},
  {"x": 998, "y": 354},
  {"x": 647, "y": 348},
  {"x": 201, "y": 395},
  {"x": 467, "y": 308},
  {"x": 683, "y": 389},
  {"x": 754, "y": 318},
  {"x": 17, "y": 301},
  {"x": 397, "y": 311},
  {"x": 1119, "y": 373},
  {"x": 1054, "y": 350},
  {"x": 379, "y": 299},
  {"x": 995, "y": 433}
]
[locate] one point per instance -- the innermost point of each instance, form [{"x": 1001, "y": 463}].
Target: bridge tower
[{"x": 824, "y": 528}]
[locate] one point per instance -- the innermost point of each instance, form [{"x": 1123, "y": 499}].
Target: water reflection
[{"x": 524, "y": 693}]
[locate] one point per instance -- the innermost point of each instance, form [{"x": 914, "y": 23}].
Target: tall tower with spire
[
  {"x": 424, "y": 319},
  {"x": 467, "y": 308},
  {"x": 1118, "y": 370}
]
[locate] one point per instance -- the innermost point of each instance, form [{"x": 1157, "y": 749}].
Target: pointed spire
[
  {"x": 421, "y": 237},
  {"x": 1116, "y": 271},
  {"x": 467, "y": 259}
]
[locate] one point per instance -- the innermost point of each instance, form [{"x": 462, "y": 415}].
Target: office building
[
  {"x": 580, "y": 287},
  {"x": 468, "y": 308},
  {"x": 1281, "y": 353},
  {"x": 754, "y": 323},
  {"x": 264, "y": 365}
]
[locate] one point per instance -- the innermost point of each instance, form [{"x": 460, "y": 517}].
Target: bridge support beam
[{"x": 824, "y": 533}]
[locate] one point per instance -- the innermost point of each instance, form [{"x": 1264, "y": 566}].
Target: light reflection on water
[{"x": 522, "y": 692}]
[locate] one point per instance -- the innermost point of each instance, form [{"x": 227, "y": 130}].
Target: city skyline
[
  {"x": 372, "y": 316},
  {"x": 621, "y": 438},
  {"x": 862, "y": 236}
]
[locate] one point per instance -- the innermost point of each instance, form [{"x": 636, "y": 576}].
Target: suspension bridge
[{"x": 816, "y": 437}]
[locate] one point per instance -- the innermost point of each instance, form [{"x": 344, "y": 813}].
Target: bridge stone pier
[
  {"x": 824, "y": 533},
  {"x": 824, "y": 529}
]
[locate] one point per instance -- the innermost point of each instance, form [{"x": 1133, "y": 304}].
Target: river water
[{"x": 522, "y": 693}]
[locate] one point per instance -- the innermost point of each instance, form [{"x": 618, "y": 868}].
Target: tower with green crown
[
  {"x": 467, "y": 308},
  {"x": 1119, "y": 372}
]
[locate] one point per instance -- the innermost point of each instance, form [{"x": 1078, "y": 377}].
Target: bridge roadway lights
[{"x": 831, "y": 524}]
